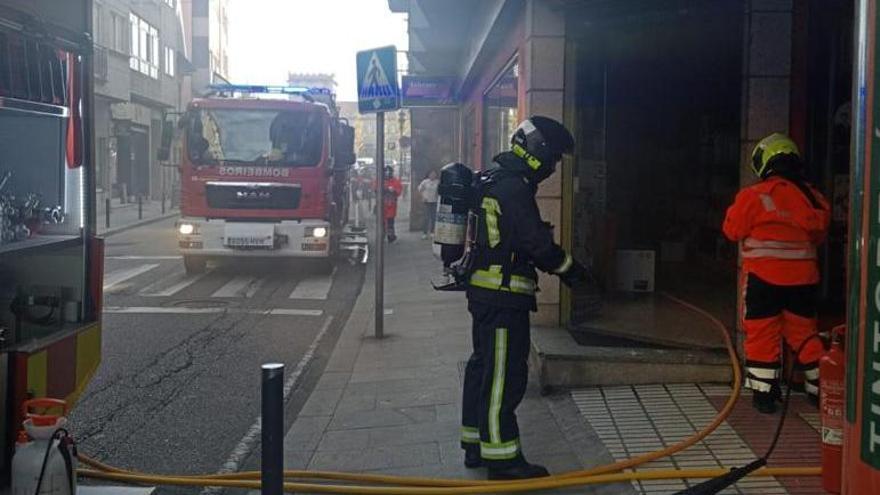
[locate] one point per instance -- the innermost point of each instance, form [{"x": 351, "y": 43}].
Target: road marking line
[
  {"x": 313, "y": 288},
  {"x": 184, "y": 282},
  {"x": 236, "y": 287},
  {"x": 115, "y": 278},
  {"x": 160, "y": 310},
  {"x": 251, "y": 438},
  {"x": 295, "y": 312},
  {"x": 135, "y": 257}
]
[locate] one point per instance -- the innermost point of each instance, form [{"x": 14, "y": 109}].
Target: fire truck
[
  {"x": 265, "y": 173},
  {"x": 51, "y": 261}
]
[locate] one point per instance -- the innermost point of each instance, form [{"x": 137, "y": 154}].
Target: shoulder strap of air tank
[{"x": 483, "y": 182}]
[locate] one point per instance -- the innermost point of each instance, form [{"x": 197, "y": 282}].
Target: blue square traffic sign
[{"x": 378, "y": 90}]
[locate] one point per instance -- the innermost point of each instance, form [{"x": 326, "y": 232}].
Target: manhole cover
[{"x": 199, "y": 303}]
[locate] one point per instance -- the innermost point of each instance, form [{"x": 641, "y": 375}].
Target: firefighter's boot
[
  {"x": 519, "y": 471},
  {"x": 472, "y": 459},
  {"x": 764, "y": 402}
]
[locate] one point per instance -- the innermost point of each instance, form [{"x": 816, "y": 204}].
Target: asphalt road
[{"x": 179, "y": 384}]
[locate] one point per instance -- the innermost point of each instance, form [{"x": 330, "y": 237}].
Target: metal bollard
[
  {"x": 140, "y": 206},
  {"x": 163, "y": 202},
  {"x": 107, "y": 213},
  {"x": 272, "y": 432}
]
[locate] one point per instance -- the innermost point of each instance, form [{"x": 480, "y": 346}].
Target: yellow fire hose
[{"x": 366, "y": 484}]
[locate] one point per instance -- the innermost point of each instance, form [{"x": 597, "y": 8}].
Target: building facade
[
  {"x": 206, "y": 25},
  {"x": 666, "y": 100},
  {"x": 139, "y": 46}
]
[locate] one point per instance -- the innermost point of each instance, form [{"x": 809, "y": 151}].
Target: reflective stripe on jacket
[
  {"x": 778, "y": 229},
  {"x": 782, "y": 250},
  {"x": 511, "y": 240}
]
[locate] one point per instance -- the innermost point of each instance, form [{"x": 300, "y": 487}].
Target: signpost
[{"x": 378, "y": 92}]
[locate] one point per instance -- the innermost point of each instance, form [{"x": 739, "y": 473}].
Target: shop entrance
[
  {"x": 657, "y": 115},
  {"x": 657, "y": 109}
]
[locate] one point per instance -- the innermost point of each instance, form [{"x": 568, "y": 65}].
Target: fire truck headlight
[
  {"x": 186, "y": 228},
  {"x": 319, "y": 232}
]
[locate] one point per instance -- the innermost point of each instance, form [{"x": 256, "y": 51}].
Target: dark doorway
[
  {"x": 140, "y": 152},
  {"x": 657, "y": 112},
  {"x": 123, "y": 166}
]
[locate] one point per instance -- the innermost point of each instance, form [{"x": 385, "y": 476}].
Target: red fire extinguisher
[{"x": 833, "y": 374}]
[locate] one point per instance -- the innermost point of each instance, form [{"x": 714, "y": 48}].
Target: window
[
  {"x": 144, "y": 47},
  {"x": 170, "y": 61},
  {"x": 500, "y": 105},
  {"x": 119, "y": 34},
  {"x": 99, "y": 34},
  {"x": 281, "y": 138}
]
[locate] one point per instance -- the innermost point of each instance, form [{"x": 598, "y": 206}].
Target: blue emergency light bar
[{"x": 259, "y": 88}]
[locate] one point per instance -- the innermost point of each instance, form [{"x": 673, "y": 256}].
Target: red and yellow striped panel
[{"x": 64, "y": 369}]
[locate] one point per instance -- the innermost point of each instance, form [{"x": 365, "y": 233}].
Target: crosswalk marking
[
  {"x": 116, "y": 277},
  {"x": 313, "y": 288},
  {"x": 240, "y": 286},
  {"x": 162, "y": 310},
  {"x": 183, "y": 281},
  {"x": 136, "y": 257}
]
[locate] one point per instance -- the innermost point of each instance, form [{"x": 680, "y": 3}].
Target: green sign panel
[{"x": 870, "y": 426}]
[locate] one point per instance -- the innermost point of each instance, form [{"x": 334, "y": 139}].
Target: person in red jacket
[
  {"x": 778, "y": 223},
  {"x": 393, "y": 189}
]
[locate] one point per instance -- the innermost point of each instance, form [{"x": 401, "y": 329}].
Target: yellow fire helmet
[{"x": 771, "y": 146}]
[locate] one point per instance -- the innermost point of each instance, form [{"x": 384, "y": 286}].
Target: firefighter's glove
[{"x": 576, "y": 277}]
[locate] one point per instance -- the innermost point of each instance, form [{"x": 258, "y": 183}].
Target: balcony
[{"x": 102, "y": 63}]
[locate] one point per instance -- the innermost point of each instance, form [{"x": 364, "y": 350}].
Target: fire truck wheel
[{"x": 194, "y": 264}]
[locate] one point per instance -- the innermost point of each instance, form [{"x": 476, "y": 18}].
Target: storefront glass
[{"x": 500, "y": 112}]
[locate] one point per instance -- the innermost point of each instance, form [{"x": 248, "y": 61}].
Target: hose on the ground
[
  {"x": 407, "y": 485},
  {"x": 495, "y": 487}
]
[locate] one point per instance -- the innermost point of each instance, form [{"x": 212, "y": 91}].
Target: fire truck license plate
[{"x": 244, "y": 236}]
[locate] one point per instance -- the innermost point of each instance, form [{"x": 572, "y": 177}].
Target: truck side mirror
[
  {"x": 344, "y": 146},
  {"x": 164, "y": 151}
]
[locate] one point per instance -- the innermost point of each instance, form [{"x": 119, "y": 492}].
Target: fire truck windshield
[{"x": 279, "y": 137}]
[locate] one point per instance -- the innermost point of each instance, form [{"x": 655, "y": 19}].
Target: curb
[{"x": 140, "y": 223}]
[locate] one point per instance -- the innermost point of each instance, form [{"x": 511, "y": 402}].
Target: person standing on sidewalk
[
  {"x": 778, "y": 222},
  {"x": 511, "y": 240},
  {"x": 393, "y": 189},
  {"x": 428, "y": 191}
]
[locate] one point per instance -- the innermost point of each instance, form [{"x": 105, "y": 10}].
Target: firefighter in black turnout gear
[{"x": 510, "y": 242}]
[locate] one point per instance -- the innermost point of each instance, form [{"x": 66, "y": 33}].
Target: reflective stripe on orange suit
[
  {"x": 776, "y": 210},
  {"x": 778, "y": 229}
]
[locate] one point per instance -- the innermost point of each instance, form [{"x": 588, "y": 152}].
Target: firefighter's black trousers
[{"x": 495, "y": 382}]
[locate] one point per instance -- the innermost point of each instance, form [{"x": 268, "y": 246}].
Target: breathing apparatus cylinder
[
  {"x": 450, "y": 227},
  {"x": 44, "y": 462}
]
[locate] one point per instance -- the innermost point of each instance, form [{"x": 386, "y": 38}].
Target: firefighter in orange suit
[{"x": 778, "y": 223}]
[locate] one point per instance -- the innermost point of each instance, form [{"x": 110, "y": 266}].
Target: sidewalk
[
  {"x": 393, "y": 406},
  {"x": 126, "y": 216}
]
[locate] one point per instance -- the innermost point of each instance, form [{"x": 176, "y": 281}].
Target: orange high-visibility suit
[{"x": 779, "y": 224}]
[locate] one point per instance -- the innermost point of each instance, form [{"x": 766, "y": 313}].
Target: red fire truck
[
  {"x": 51, "y": 262},
  {"x": 265, "y": 173}
]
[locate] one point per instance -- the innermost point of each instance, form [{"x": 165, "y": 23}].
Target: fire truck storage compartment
[
  {"x": 42, "y": 256},
  {"x": 31, "y": 148},
  {"x": 42, "y": 266},
  {"x": 248, "y": 195}
]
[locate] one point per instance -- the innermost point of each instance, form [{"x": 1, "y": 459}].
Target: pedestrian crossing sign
[{"x": 378, "y": 90}]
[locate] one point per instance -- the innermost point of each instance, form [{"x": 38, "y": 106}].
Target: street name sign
[{"x": 378, "y": 90}]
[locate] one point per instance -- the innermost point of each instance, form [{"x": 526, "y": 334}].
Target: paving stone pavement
[{"x": 393, "y": 405}]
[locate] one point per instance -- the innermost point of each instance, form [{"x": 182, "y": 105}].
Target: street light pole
[{"x": 380, "y": 225}]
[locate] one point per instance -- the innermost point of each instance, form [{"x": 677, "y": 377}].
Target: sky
[{"x": 269, "y": 38}]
